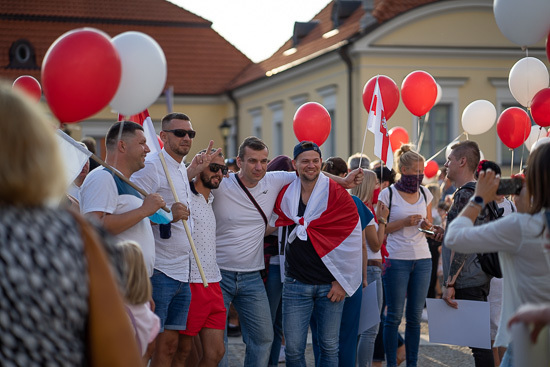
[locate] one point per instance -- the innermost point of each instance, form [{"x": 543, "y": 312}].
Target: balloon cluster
[{"x": 84, "y": 70}]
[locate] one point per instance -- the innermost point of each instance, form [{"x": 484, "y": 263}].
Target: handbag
[{"x": 111, "y": 341}]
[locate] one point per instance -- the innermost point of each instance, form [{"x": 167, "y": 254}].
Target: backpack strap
[{"x": 391, "y": 196}]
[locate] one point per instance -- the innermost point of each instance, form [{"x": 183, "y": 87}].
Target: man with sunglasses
[
  {"x": 170, "y": 279},
  {"x": 240, "y": 230},
  {"x": 207, "y": 313}
]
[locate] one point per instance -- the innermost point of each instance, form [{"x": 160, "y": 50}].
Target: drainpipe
[
  {"x": 235, "y": 117},
  {"x": 344, "y": 54}
]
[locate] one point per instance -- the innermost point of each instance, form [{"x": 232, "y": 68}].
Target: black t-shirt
[{"x": 302, "y": 261}]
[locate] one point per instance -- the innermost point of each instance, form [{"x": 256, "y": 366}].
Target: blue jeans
[
  {"x": 300, "y": 302},
  {"x": 365, "y": 347},
  {"x": 274, "y": 289},
  {"x": 172, "y": 300},
  {"x": 410, "y": 279},
  {"x": 349, "y": 327},
  {"x": 246, "y": 291}
]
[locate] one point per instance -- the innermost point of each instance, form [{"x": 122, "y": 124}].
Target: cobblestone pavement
[{"x": 430, "y": 355}]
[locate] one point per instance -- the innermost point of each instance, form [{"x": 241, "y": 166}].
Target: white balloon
[
  {"x": 439, "y": 94},
  {"x": 540, "y": 142},
  {"x": 143, "y": 72},
  {"x": 528, "y": 76},
  {"x": 537, "y": 132},
  {"x": 478, "y": 117},
  {"x": 524, "y": 22}
]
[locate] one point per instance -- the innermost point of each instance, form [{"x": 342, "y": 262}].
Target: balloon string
[
  {"x": 421, "y": 139},
  {"x": 444, "y": 148},
  {"x": 512, "y": 162},
  {"x": 363, "y": 145}
]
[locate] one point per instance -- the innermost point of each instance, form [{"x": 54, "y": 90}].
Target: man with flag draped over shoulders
[{"x": 323, "y": 255}]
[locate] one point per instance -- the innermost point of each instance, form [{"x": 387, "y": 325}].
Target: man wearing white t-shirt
[
  {"x": 121, "y": 209},
  {"x": 240, "y": 237},
  {"x": 170, "y": 279}
]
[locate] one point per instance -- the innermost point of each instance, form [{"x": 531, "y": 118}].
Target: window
[
  {"x": 22, "y": 55},
  {"x": 256, "y": 114},
  {"x": 277, "y": 120},
  {"x": 436, "y": 132},
  {"x": 328, "y": 94}
]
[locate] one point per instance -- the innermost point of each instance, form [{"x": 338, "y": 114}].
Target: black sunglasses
[
  {"x": 180, "y": 133},
  {"x": 214, "y": 167}
]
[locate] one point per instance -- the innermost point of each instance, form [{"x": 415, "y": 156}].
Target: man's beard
[{"x": 208, "y": 182}]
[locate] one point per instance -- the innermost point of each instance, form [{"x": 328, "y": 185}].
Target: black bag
[
  {"x": 490, "y": 264},
  {"x": 489, "y": 261}
]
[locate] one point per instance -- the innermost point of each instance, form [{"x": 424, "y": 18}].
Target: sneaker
[
  {"x": 233, "y": 330},
  {"x": 282, "y": 354}
]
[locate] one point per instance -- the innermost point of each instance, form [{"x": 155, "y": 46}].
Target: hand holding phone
[{"x": 510, "y": 186}]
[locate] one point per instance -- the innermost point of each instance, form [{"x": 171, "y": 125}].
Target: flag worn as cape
[
  {"x": 332, "y": 224},
  {"x": 376, "y": 123}
]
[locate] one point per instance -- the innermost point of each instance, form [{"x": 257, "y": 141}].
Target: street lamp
[{"x": 225, "y": 129}]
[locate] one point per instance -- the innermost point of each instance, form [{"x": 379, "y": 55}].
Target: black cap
[{"x": 304, "y": 146}]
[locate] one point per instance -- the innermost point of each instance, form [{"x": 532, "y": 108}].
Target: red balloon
[
  {"x": 540, "y": 107},
  {"x": 430, "y": 169},
  {"x": 513, "y": 127},
  {"x": 388, "y": 90},
  {"x": 312, "y": 122},
  {"x": 419, "y": 92},
  {"x": 398, "y": 137},
  {"x": 29, "y": 85},
  {"x": 80, "y": 74}
]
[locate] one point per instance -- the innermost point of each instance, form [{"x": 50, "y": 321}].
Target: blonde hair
[
  {"x": 406, "y": 157},
  {"x": 31, "y": 169},
  {"x": 138, "y": 286},
  {"x": 366, "y": 189},
  {"x": 436, "y": 192}
]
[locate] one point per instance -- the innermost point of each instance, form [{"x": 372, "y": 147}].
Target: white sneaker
[{"x": 282, "y": 354}]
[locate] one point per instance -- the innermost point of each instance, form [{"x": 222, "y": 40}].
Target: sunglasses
[
  {"x": 214, "y": 167},
  {"x": 180, "y": 133}
]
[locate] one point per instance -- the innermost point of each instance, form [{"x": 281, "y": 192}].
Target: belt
[{"x": 375, "y": 263}]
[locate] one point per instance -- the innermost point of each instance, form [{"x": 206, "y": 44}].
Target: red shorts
[{"x": 206, "y": 310}]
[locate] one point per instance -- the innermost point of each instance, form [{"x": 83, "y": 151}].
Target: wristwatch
[{"x": 478, "y": 200}]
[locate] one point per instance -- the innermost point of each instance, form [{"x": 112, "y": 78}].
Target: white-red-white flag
[
  {"x": 376, "y": 123},
  {"x": 144, "y": 120},
  {"x": 330, "y": 222}
]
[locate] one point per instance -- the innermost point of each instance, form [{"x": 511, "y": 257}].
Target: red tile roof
[
  {"x": 200, "y": 61},
  {"x": 314, "y": 44}
]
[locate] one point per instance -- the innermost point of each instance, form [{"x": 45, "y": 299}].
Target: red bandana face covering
[
  {"x": 375, "y": 194},
  {"x": 409, "y": 183}
]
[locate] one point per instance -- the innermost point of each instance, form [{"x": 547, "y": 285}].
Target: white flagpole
[{"x": 175, "y": 194}]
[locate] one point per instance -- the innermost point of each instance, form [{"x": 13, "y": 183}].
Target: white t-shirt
[
  {"x": 240, "y": 228},
  {"x": 373, "y": 255},
  {"x": 408, "y": 243},
  {"x": 172, "y": 254},
  {"x": 204, "y": 236},
  {"x": 99, "y": 193},
  {"x": 520, "y": 243}
]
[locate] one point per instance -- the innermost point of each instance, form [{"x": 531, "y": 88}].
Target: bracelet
[{"x": 382, "y": 221}]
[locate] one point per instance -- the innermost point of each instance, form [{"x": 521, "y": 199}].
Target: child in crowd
[{"x": 137, "y": 297}]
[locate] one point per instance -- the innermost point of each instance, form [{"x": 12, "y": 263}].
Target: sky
[{"x": 257, "y": 28}]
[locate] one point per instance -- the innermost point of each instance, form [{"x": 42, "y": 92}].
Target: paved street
[{"x": 430, "y": 355}]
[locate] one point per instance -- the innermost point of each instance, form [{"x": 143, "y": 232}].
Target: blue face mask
[{"x": 161, "y": 217}]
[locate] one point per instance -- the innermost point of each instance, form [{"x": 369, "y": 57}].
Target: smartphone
[
  {"x": 426, "y": 231},
  {"x": 510, "y": 186}
]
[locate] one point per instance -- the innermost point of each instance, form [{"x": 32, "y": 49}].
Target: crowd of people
[{"x": 289, "y": 243}]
